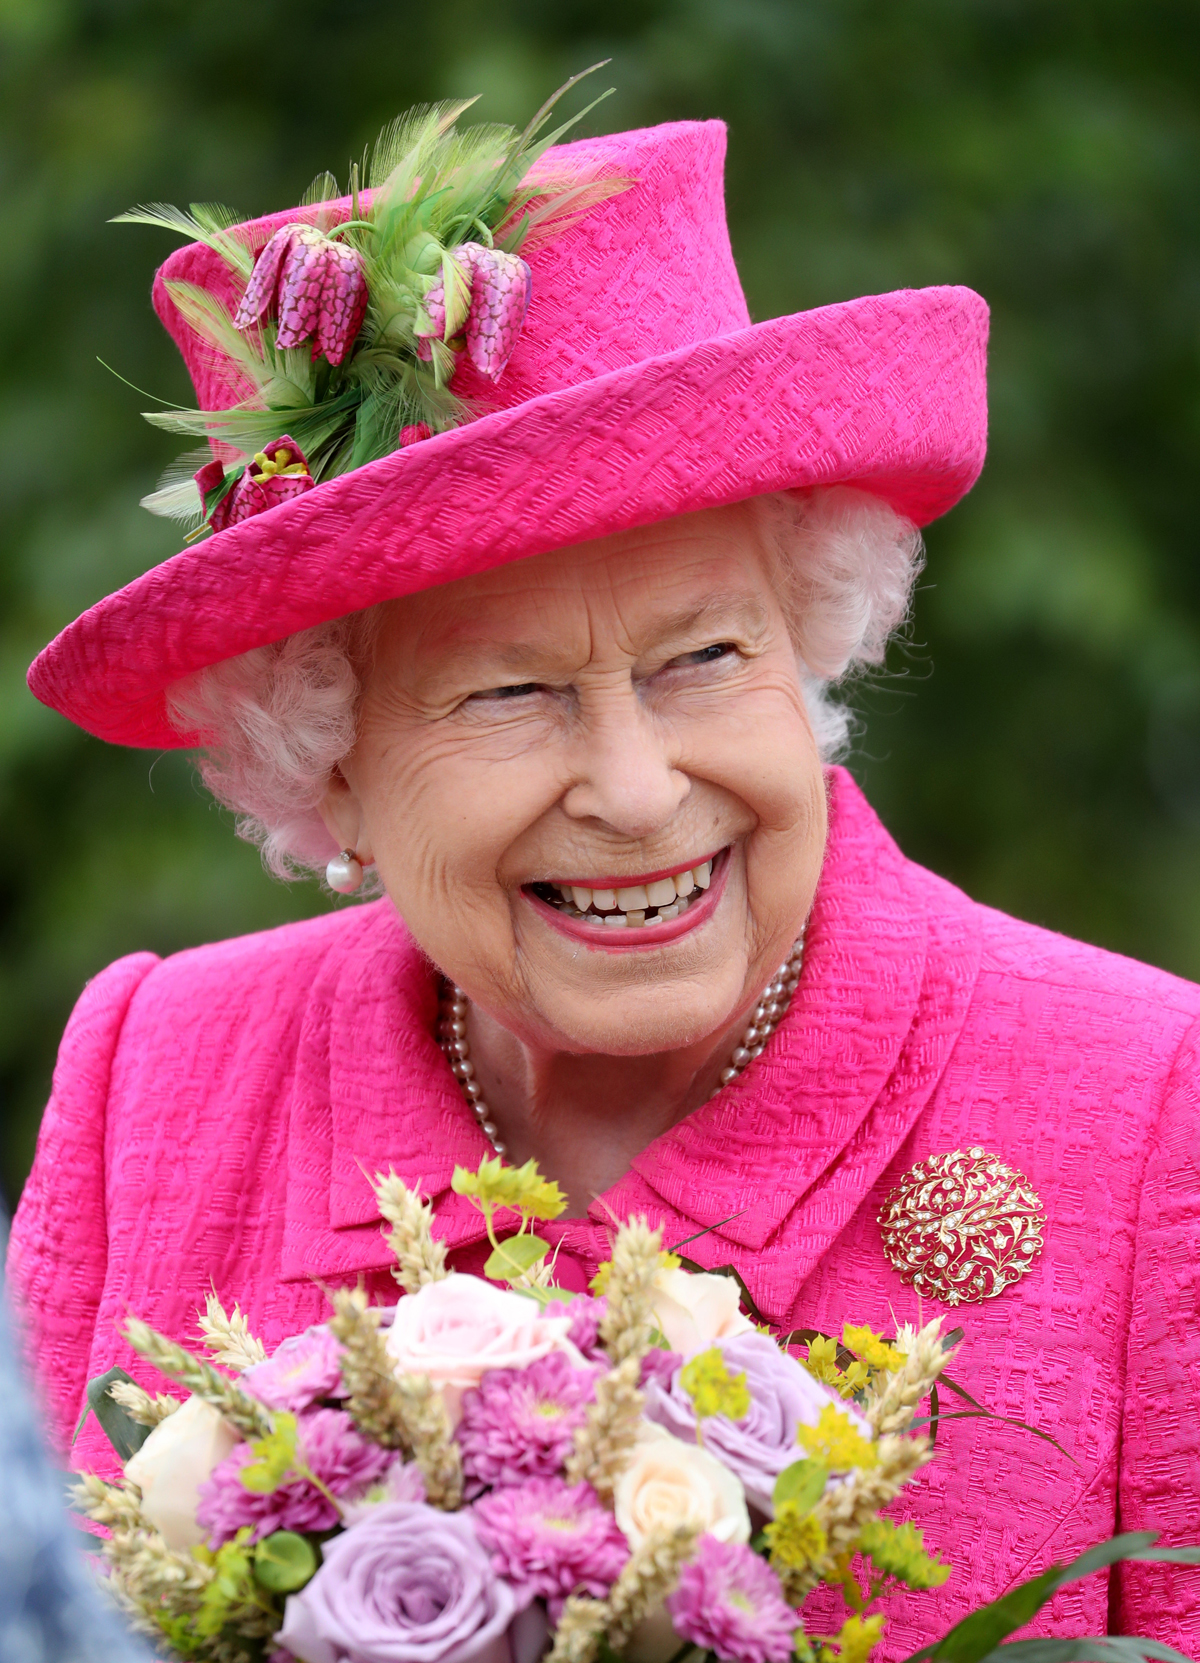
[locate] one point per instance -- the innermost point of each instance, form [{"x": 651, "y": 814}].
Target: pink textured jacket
[{"x": 213, "y": 1115}]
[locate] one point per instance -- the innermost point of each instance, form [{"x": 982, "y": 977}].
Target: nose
[{"x": 624, "y": 774}]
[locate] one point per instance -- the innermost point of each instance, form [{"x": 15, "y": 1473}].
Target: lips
[{"x": 649, "y": 912}]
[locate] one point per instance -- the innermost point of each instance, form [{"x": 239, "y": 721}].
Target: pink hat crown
[{"x": 646, "y": 272}]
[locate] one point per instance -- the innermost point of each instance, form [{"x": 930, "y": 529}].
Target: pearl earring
[{"x": 344, "y": 872}]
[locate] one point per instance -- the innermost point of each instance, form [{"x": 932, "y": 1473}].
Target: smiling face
[{"x": 590, "y": 786}]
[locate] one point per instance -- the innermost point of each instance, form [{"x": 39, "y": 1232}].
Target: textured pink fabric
[
  {"x": 638, "y": 389},
  {"x": 212, "y": 1115}
]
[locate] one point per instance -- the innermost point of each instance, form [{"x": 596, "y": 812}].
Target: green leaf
[
  {"x": 284, "y": 1562},
  {"x": 979, "y": 1636},
  {"x": 125, "y": 1434},
  {"x": 803, "y": 1482},
  {"x": 514, "y": 1257},
  {"x": 545, "y": 1297},
  {"x": 1128, "y": 1650}
]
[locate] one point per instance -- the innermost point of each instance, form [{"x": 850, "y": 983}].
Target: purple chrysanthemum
[
  {"x": 586, "y": 1315},
  {"x": 302, "y": 1369},
  {"x": 551, "y": 1539},
  {"x": 659, "y": 1366},
  {"x": 344, "y": 1461},
  {"x": 728, "y": 1600},
  {"x": 520, "y": 1423}
]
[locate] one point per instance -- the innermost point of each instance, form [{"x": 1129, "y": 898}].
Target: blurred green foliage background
[{"x": 1037, "y": 740}]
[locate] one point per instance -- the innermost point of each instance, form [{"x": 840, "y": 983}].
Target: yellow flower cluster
[
  {"x": 836, "y": 1443},
  {"x": 822, "y": 1363},
  {"x": 796, "y": 1539},
  {"x": 854, "y": 1642},
  {"x": 871, "y": 1349},
  {"x": 899, "y": 1551},
  {"x": 711, "y": 1387}
]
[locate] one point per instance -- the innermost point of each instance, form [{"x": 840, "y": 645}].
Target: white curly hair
[{"x": 276, "y": 721}]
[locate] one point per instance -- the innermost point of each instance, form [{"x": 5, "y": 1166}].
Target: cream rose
[
  {"x": 668, "y": 1482},
  {"x": 694, "y": 1310},
  {"x": 174, "y": 1461},
  {"x": 457, "y": 1329}
]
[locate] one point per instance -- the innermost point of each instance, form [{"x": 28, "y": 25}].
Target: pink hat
[{"x": 637, "y": 389}]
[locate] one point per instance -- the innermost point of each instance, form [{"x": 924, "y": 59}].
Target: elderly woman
[{"x": 556, "y": 679}]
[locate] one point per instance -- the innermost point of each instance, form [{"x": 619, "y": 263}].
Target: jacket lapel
[{"x": 373, "y": 1093}]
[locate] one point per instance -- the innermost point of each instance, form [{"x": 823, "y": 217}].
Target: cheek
[
  {"x": 440, "y": 817},
  {"x": 760, "y": 748}
]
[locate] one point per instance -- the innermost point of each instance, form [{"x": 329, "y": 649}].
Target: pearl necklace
[{"x": 767, "y": 1015}]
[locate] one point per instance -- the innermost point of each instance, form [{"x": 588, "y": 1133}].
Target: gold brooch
[{"x": 962, "y": 1227}]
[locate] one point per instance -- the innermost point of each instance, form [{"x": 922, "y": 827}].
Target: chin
[{"x": 644, "y": 1021}]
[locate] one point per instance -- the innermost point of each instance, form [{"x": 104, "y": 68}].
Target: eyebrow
[
  {"x": 531, "y": 659},
  {"x": 726, "y": 606},
  {"x": 729, "y": 605}
]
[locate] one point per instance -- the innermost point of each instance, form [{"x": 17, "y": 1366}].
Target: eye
[
  {"x": 706, "y": 655},
  {"x": 519, "y": 690}
]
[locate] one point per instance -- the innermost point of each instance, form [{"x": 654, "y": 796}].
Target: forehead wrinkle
[{"x": 734, "y": 606}]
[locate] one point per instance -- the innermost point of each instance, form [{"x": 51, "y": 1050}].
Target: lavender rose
[
  {"x": 757, "y": 1448},
  {"x": 410, "y": 1584}
]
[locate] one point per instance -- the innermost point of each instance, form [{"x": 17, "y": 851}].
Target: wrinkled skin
[{"x": 618, "y": 708}]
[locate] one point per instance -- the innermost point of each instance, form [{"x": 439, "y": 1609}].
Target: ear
[{"x": 342, "y": 813}]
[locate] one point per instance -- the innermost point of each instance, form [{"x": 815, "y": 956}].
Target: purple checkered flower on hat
[
  {"x": 501, "y": 285},
  {"x": 278, "y": 472},
  {"x": 313, "y": 285}
]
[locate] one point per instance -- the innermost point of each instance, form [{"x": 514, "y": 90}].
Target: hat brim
[{"x": 886, "y": 393}]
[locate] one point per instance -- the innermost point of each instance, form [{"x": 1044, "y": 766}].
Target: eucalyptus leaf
[
  {"x": 125, "y": 1434},
  {"x": 284, "y": 1562}
]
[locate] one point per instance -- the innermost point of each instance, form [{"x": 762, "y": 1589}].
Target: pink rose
[{"x": 457, "y": 1329}]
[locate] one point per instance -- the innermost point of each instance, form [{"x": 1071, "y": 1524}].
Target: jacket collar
[{"x": 791, "y": 1148}]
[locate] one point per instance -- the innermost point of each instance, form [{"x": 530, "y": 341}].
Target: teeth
[{"x": 627, "y": 908}]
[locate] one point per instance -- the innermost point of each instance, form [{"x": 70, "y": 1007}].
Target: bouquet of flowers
[{"x": 490, "y": 1473}]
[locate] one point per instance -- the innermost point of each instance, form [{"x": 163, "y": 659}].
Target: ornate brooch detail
[{"x": 962, "y": 1227}]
